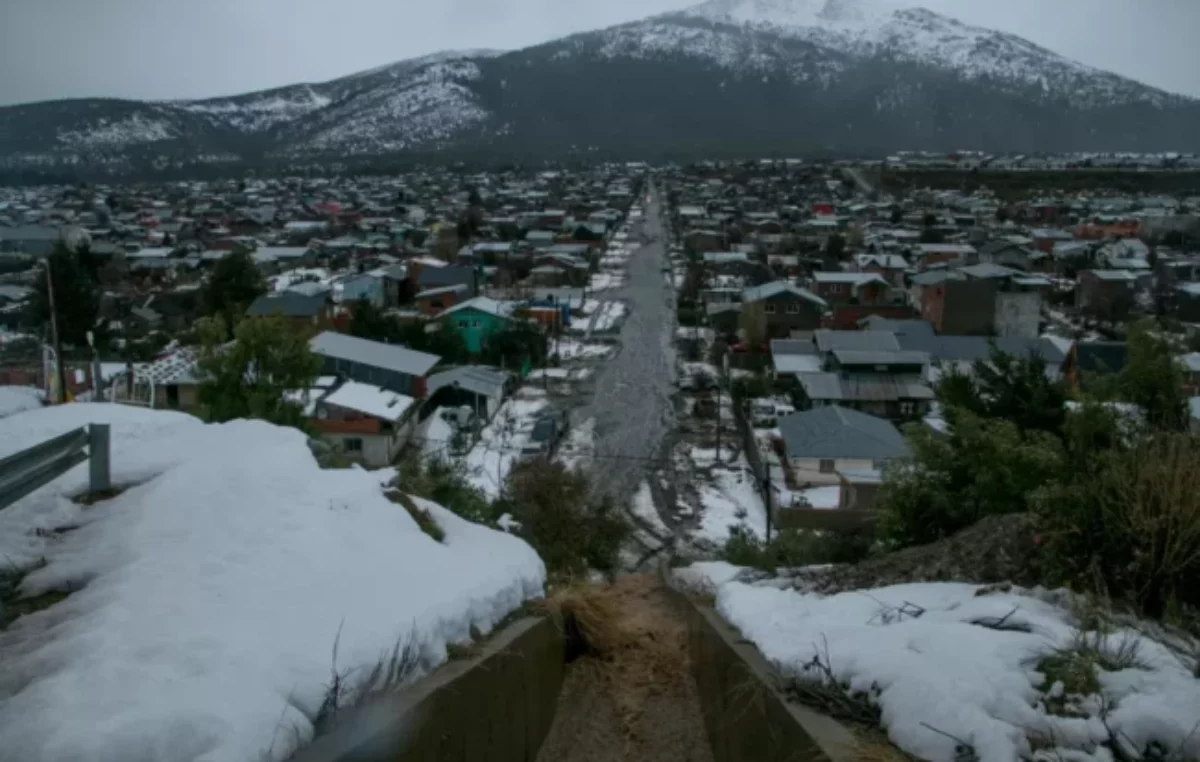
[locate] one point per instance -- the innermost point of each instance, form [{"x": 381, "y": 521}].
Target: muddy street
[{"x": 631, "y": 400}]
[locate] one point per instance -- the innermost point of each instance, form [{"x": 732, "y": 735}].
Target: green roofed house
[{"x": 476, "y": 319}]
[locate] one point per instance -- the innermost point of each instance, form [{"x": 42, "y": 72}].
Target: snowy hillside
[
  {"x": 880, "y": 29},
  {"x": 862, "y": 76},
  {"x": 206, "y": 599}
]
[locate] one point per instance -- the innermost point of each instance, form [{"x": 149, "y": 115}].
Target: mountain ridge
[{"x": 801, "y": 75}]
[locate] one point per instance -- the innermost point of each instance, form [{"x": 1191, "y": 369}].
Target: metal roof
[
  {"x": 373, "y": 353},
  {"x": 875, "y": 341},
  {"x": 837, "y": 432},
  {"x": 775, "y": 288},
  {"x": 288, "y": 304},
  {"x": 876, "y": 357},
  {"x": 487, "y": 382}
]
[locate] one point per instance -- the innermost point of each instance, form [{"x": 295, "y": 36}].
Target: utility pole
[
  {"x": 58, "y": 358},
  {"x": 767, "y": 489}
]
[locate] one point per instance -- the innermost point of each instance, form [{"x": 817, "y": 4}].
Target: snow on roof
[
  {"x": 482, "y": 304},
  {"x": 207, "y": 597},
  {"x": 370, "y": 400}
]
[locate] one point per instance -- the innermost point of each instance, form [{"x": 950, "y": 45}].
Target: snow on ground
[
  {"x": 285, "y": 280},
  {"x": 493, "y": 457},
  {"x": 18, "y": 399},
  {"x": 936, "y": 672},
  {"x": 555, "y": 373},
  {"x": 642, "y": 507},
  {"x": 608, "y": 316},
  {"x": 605, "y": 281},
  {"x": 569, "y": 349},
  {"x": 824, "y": 498},
  {"x": 209, "y": 594},
  {"x": 732, "y": 498},
  {"x": 437, "y": 436},
  {"x": 579, "y": 446}
]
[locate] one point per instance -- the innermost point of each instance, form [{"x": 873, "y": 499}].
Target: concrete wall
[
  {"x": 496, "y": 706},
  {"x": 745, "y": 716}
]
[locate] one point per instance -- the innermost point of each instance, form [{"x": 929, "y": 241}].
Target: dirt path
[{"x": 634, "y": 700}]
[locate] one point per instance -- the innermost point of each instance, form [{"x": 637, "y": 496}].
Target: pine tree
[
  {"x": 234, "y": 284},
  {"x": 76, "y": 297}
]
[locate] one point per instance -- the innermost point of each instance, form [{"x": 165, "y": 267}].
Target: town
[{"x": 740, "y": 374}]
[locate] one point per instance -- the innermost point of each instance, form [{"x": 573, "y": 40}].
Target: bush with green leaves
[
  {"x": 445, "y": 483},
  {"x": 794, "y": 547},
  {"x": 1128, "y": 526},
  {"x": 569, "y": 528},
  {"x": 983, "y": 466},
  {"x": 251, "y": 376}
]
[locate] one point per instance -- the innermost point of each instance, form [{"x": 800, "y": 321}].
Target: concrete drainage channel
[{"x": 519, "y": 694}]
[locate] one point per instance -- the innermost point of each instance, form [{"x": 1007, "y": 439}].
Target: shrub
[
  {"x": 446, "y": 484},
  {"x": 794, "y": 547},
  {"x": 1130, "y": 525},
  {"x": 983, "y": 467},
  {"x": 570, "y": 530}
]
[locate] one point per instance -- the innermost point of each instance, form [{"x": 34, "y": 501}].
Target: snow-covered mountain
[
  {"x": 884, "y": 30},
  {"x": 728, "y": 76}
]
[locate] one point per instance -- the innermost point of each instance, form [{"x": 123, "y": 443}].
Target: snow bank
[
  {"x": 917, "y": 649},
  {"x": 208, "y": 596},
  {"x": 18, "y": 399}
]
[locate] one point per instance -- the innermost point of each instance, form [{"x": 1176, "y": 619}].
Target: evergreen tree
[
  {"x": 234, "y": 284},
  {"x": 76, "y": 297}
]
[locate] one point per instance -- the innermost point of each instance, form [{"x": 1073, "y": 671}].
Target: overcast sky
[{"x": 198, "y": 48}]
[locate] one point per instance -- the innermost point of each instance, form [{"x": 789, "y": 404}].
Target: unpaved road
[
  {"x": 631, "y": 400},
  {"x": 638, "y": 704}
]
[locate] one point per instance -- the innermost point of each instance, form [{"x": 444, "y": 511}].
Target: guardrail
[{"x": 25, "y": 471}]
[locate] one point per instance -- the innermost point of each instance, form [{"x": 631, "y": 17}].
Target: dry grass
[
  {"x": 875, "y": 748},
  {"x": 639, "y": 647}
]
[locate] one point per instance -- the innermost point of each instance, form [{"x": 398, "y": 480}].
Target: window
[
  {"x": 474, "y": 323},
  {"x": 827, "y": 466},
  {"x": 793, "y": 309},
  {"x": 462, "y": 324},
  {"x": 769, "y": 309},
  {"x": 353, "y": 444}
]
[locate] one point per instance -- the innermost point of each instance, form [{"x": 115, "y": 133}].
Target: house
[
  {"x": 429, "y": 277},
  {"x": 986, "y": 305},
  {"x": 1012, "y": 254},
  {"x": 480, "y": 388},
  {"x": 303, "y": 312},
  {"x": 369, "y": 286},
  {"x": 890, "y": 267},
  {"x": 476, "y": 319},
  {"x": 1106, "y": 293},
  {"x": 781, "y": 308},
  {"x": 388, "y": 366},
  {"x": 859, "y": 288},
  {"x": 171, "y": 382},
  {"x": 433, "y": 301},
  {"x": 1187, "y": 302},
  {"x": 371, "y": 424},
  {"x": 822, "y": 443}
]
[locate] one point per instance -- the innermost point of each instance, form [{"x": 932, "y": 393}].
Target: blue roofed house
[
  {"x": 822, "y": 443},
  {"x": 369, "y": 286}
]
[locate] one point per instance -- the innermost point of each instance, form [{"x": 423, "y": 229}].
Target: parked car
[{"x": 548, "y": 430}]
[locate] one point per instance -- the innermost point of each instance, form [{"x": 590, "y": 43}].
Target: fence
[{"x": 25, "y": 471}]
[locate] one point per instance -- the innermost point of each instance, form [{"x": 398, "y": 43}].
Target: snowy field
[
  {"x": 499, "y": 448},
  {"x": 18, "y": 399},
  {"x": 947, "y": 661},
  {"x": 207, "y": 597}
]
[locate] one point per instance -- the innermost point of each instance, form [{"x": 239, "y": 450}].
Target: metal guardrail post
[{"x": 99, "y": 470}]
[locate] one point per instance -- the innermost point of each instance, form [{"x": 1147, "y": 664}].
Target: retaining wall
[
  {"x": 497, "y": 706},
  {"x": 745, "y": 716}
]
